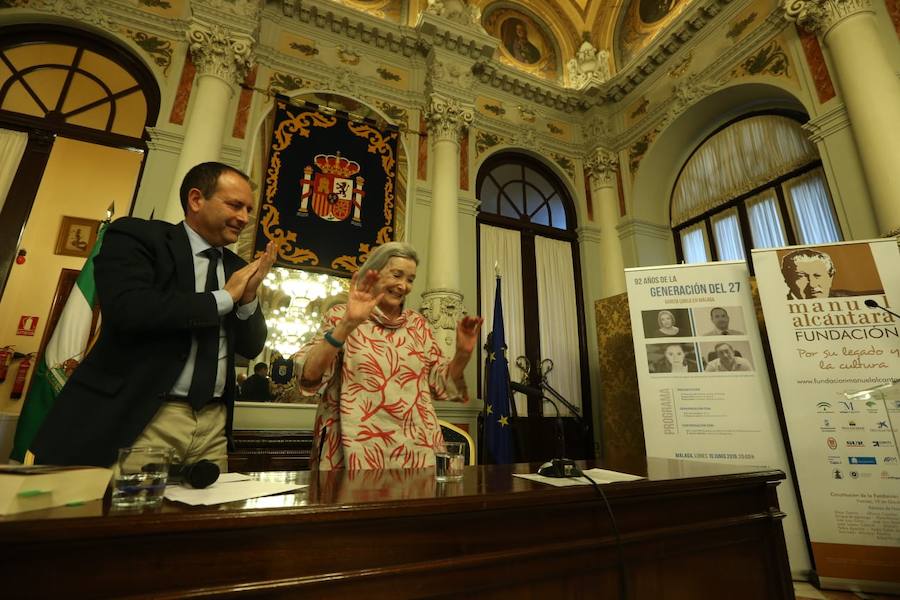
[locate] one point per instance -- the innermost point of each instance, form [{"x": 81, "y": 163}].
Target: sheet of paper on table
[
  {"x": 598, "y": 475},
  {"x": 230, "y": 487}
]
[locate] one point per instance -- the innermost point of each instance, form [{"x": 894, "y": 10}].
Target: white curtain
[
  {"x": 736, "y": 160},
  {"x": 812, "y": 208},
  {"x": 12, "y": 147},
  {"x": 765, "y": 221},
  {"x": 693, "y": 243},
  {"x": 503, "y": 247},
  {"x": 727, "y": 231},
  {"x": 559, "y": 318}
]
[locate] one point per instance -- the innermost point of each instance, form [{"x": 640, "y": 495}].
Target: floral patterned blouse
[{"x": 375, "y": 401}]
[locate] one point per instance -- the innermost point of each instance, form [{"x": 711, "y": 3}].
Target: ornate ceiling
[{"x": 555, "y": 29}]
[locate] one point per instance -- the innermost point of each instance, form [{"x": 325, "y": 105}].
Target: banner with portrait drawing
[
  {"x": 329, "y": 195},
  {"x": 704, "y": 385},
  {"x": 826, "y": 341}
]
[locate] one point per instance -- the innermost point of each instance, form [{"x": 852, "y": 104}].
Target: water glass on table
[
  {"x": 449, "y": 463},
  {"x": 140, "y": 476}
]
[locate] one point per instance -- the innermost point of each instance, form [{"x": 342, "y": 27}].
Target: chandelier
[{"x": 292, "y": 300}]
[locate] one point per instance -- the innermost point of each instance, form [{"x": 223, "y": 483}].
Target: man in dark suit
[
  {"x": 176, "y": 306},
  {"x": 258, "y": 387}
]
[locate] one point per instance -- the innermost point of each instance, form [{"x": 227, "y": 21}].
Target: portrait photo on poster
[
  {"x": 672, "y": 358},
  {"x": 720, "y": 320},
  {"x": 667, "y": 322},
  {"x": 730, "y": 356},
  {"x": 838, "y": 271}
]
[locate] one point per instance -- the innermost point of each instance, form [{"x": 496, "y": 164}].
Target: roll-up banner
[
  {"x": 705, "y": 391},
  {"x": 827, "y": 342}
]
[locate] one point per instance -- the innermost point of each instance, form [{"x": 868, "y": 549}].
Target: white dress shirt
[{"x": 224, "y": 303}]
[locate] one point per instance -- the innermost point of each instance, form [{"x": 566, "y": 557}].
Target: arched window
[
  {"x": 526, "y": 228},
  {"x": 62, "y": 82},
  {"x": 756, "y": 183}
]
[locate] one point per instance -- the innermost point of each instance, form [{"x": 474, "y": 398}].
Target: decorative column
[
  {"x": 870, "y": 91},
  {"x": 602, "y": 166},
  {"x": 442, "y": 301},
  {"x": 222, "y": 58}
]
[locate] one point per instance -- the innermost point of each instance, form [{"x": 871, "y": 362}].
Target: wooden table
[{"x": 690, "y": 530}]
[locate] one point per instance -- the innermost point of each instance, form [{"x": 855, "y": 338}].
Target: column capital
[
  {"x": 602, "y": 166},
  {"x": 448, "y": 117},
  {"x": 443, "y": 308},
  {"x": 220, "y": 52},
  {"x": 819, "y": 16}
]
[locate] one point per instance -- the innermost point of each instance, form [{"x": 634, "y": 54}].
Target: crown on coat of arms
[{"x": 335, "y": 164}]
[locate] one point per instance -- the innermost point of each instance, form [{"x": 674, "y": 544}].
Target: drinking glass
[
  {"x": 448, "y": 463},
  {"x": 140, "y": 476}
]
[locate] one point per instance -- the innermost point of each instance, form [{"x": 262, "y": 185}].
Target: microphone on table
[
  {"x": 872, "y": 304},
  {"x": 200, "y": 474}
]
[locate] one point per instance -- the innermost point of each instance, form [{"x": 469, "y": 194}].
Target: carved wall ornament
[
  {"x": 343, "y": 79},
  {"x": 219, "y": 52},
  {"x": 248, "y": 9},
  {"x": 526, "y": 137},
  {"x": 458, "y": 11},
  {"x": 443, "y": 308},
  {"x": 771, "y": 59},
  {"x": 737, "y": 28},
  {"x": 485, "y": 140},
  {"x": 448, "y": 117},
  {"x": 86, "y": 11},
  {"x": 589, "y": 66},
  {"x": 681, "y": 66},
  {"x": 347, "y": 55},
  {"x": 283, "y": 82},
  {"x": 565, "y": 163},
  {"x": 602, "y": 166},
  {"x": 527, "y": 114},
  {"x": 821, "y": 15},
  {"x": 160, "y": 50},
  {"x": 304, "y": 49},
  {"x": 449, "y": 76},
  {"x": 595, "y": 129}
]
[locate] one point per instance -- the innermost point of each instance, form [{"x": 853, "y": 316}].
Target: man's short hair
[
  {"x": 205, "y": 177},
  {"x": 715, "y": 308},
  {"x": 259, "y": 367},
  {"x": 717, "y": 346},
  {"x": 789, "y": 260}
]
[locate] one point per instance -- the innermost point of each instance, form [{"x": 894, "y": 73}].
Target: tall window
[
  {"x": 527, "y": 233},
  {"x": 756, "y": 183}
]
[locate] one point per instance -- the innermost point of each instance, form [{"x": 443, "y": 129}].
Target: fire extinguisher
[
  {"x": 21, "y": 373},
  {"x": 6, "y": 353}
]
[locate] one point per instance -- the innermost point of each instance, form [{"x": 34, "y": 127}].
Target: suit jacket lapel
[{"x": 180, "y": 247}]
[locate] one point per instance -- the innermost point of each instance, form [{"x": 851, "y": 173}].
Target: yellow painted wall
[{"x": 81, "y": 180}]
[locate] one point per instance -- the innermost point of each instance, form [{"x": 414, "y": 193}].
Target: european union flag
[{"x": 497, "y": 428}]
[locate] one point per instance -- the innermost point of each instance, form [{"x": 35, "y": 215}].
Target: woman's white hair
[{"x": 381, "y": 256}]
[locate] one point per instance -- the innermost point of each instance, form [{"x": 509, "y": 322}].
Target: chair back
[{"x": 453, "y": 433}]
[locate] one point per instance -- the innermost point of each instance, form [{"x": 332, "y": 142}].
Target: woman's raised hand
[
  {"x": 467, "y": 334},
  {"x": 363, "y": 298}
]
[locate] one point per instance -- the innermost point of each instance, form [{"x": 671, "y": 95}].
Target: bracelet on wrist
[{"x": 332, "y": 340}]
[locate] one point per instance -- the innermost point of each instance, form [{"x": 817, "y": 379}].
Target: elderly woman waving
[{"x": 377, "y": 369}]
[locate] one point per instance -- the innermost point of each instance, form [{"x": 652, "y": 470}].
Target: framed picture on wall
[{"x": 76, "y": 236}]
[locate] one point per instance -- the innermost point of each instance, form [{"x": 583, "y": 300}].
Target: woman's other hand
[{"x": 467, "y": 334}]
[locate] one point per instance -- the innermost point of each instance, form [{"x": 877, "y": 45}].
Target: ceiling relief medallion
[
  {"x": 643, "y": 21},
  {"x": 524, "y": 42}
]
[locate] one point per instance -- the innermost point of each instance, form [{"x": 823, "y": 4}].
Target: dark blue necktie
[{"x": 206, "y": 363}]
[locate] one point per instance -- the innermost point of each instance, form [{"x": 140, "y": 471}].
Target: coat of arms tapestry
[{"x": 329, "y": 195}]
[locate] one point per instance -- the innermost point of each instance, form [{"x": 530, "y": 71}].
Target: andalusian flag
[{"x": 63, "y": 353}]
